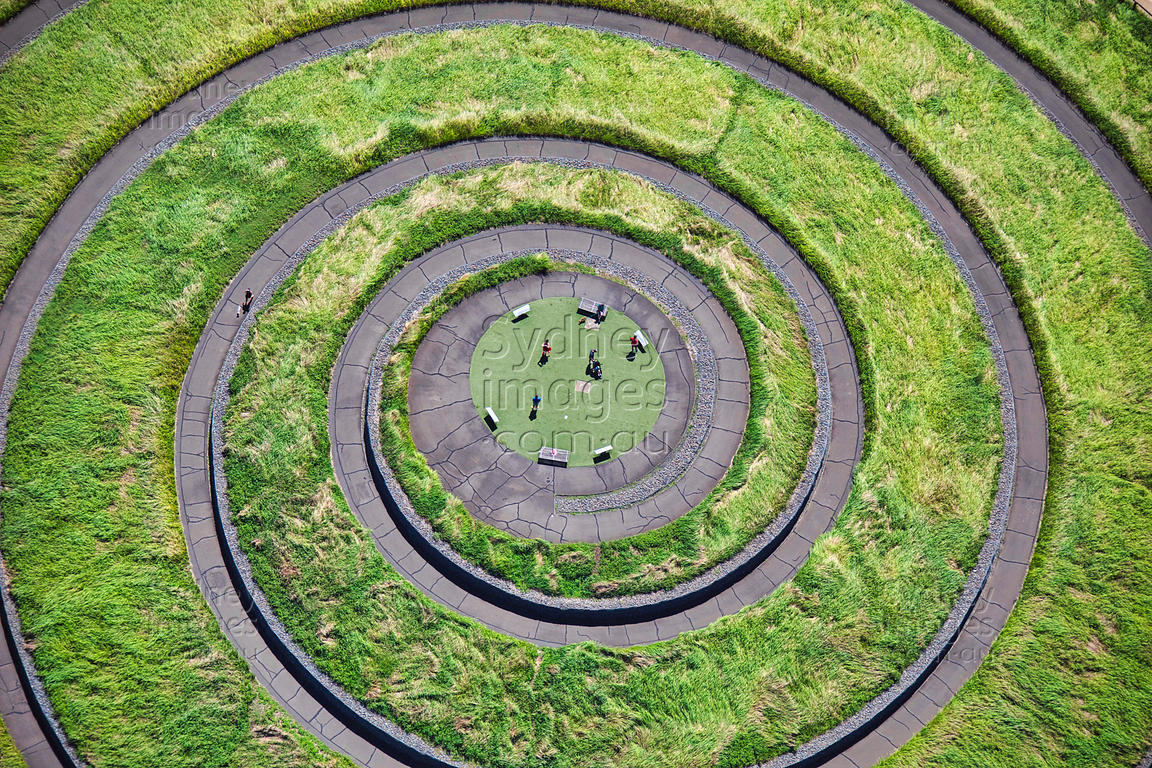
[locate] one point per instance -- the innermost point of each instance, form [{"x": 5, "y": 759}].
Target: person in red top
[{"x": 545, "y": 351}]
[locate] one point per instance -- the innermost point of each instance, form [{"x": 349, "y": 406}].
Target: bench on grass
[
  {"x": 592, "y": 308},
  {"x": 603, "y": 453},
  {"x": 640, "y": 337},
  {"x": 557, "y": 457},
  {"x": 492, "y": 419},
  {"x": 521, "y": 312}
]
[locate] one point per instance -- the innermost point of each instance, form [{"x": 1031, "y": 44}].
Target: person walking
[
  {"x": 535, "y": 403},
  {"x": 247, "y": 305},
  {"x": 635, "y": 342},
  {"x": 592, "y": 356},
  {"x": 545, "y": 350}
]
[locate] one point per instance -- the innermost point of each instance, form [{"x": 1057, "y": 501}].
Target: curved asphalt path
[{"x": 1008, "y": 572}]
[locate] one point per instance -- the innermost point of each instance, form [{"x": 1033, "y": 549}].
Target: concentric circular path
[
  {"x": 219, "y": 563},
  {"x": 407, "y": 542},
  {"x": 303, "y": 229},
  {"x": 1007, "y": 571}
]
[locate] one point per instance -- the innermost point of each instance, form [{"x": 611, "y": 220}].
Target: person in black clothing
[{"x": 247, "y": 305}]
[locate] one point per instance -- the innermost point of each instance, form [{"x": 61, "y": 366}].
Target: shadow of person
[
  {"x": 543, "y": 361},
  {"x": 532, "y": 415},
  {"x": 631, "y": 356}
]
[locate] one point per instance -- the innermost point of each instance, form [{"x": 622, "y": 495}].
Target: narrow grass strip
[
  {"x": 9, "y": 8},
  {"x": 9, "y": 755}
]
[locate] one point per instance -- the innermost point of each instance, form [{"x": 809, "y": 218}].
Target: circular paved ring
[
  {"x": 407, "y": 540},
  {"x": 924, "y": 690},
  {"x": 671, "y": 470}
]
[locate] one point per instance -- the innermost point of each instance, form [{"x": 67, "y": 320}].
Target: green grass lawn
[
  {"x": 282, "y": 370},
  {"x": 619, "y": 409},
  {"x": 89, "y": 502},
  {"x": 1081, "y": 277},
  {"x": 1098, "y": 51}
]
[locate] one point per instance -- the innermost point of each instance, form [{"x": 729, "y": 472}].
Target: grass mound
[
  {"x": 1097, "y": 51},
  {"x": 344, "y": 633}
]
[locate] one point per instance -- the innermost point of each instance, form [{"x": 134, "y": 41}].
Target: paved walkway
[
  {"x": 784, "y": 554},
  {"x": 408, "y": 543},
  {"x": 886, "y": 729},
  {"x": 518, "y": 494}
]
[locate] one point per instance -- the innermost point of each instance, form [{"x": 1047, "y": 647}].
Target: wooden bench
[
  {"x": 602, "y": 453},
  {"x": 590, "y": 307},
  {"x": 521, "y": 311},
  {"x": 492, "y": 419},
  {"x": 640, "y": 337},
  {"x": 555, "y": 456}
]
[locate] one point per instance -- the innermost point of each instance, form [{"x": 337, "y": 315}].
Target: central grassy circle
[{"x": 577, "y": 412}]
